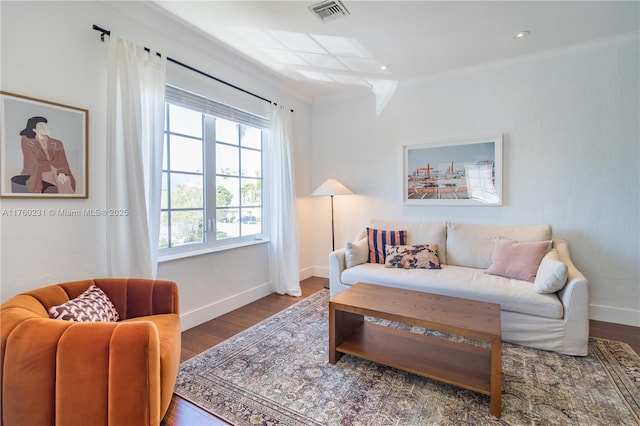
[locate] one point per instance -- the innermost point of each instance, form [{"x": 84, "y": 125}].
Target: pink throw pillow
[{"x": 517, "y": 259}]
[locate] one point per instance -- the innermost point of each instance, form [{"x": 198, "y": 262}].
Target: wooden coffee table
[{"x": 469, "y": 366}]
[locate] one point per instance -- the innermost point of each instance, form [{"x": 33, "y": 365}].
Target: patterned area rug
[{"x": 277, "y": 373}]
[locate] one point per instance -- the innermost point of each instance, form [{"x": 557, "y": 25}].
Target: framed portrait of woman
[{"x": 43, "y": 149}]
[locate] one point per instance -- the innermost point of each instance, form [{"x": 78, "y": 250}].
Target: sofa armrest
[
  {"x": 575, "y": 300},
  {"x": 337, "y": 264},
  {"x": 86, "y": 371},
  {"x": 576, "y": 281}
]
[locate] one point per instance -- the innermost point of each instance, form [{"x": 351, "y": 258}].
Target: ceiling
[{"x": 413, "y": 39}]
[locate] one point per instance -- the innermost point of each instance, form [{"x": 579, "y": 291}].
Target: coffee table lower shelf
[{"x": 458, "y": 364}]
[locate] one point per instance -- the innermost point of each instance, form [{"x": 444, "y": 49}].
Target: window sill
[{"x": 207, "y": 250}]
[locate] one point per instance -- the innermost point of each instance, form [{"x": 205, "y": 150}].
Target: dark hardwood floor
[
  {"x": 204, "y": 336},
  {"x": 623, "y": 333}
]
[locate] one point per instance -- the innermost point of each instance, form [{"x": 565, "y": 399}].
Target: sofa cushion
[
  {"x": 517, "y": 259},
  {"x": 551, "y": 275},
  {"x": 92, "y": 305},
  {"x": 378, "y": 240},
  {"x": 419, "y": 233},
  {"x": 356, "y": 253},
  {"x": 472, "y": 245},
  {"x": 471, "y": 283},
  {"x": 423, "y": 256}
]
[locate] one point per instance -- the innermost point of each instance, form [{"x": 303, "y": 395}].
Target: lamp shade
[{"x": 331, "y": 187}]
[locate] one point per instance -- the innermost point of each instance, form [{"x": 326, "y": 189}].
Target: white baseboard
[
  {"x": 614, "y": 315},
  {"x": 221, "y": 307},
  {"x": 321, "y": 271},
  {"x": 306, "y": 273}
]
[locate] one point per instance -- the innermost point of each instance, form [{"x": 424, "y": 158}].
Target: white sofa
[{"x": 556, "y": 321}]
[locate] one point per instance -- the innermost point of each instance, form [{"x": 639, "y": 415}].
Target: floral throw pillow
[
  {"x": 91, "y": 306},
  {"x": 423, "y": 256}
]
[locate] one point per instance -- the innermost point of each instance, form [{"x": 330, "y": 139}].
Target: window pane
[
  {"x": 186, "y": 154},
  {"x": 251, "y": 137},
  {"x": 227, "y": 223},
  {"x": 164, "y": 196},
  {"x": 164, "y": 230},
  {"x": 251, "y": 221},
  {"x": 165, "y": 165},
  {"x": 251, "y": 163},
  {"x": 251, "y": 192},
  {"x": 186, "y": 191},
  {"x": 227, "y": 215},
  {"x": 186, "y": 227},
  {"x": 227, "y": 158},
  {"x": 227, "y": 192},
  {"x": 226, "y": 131},
  {"x": 185, "y": 121}
]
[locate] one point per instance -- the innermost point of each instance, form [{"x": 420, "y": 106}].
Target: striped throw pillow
[{"x": 378, "y": 239}]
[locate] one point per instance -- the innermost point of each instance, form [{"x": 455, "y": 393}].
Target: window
[{"x": 212, "y": 176}]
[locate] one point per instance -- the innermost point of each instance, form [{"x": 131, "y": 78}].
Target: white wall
[
  {"x": 571, "y": 157},
  {"x": 50, "y": 52},
  {"x": 64, "y": 66}
]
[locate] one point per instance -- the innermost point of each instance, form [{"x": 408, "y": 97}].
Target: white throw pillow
[
  {"x": 356, "y": 253},
  {"x": 551, "y": 275}
]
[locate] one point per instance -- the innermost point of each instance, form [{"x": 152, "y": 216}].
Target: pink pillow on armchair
[{"x": 517, "y": 259}]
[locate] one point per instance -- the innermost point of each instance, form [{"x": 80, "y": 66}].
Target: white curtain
[
  {"x": 283, "y": 256},
  {"x": 135, "y": 125}
]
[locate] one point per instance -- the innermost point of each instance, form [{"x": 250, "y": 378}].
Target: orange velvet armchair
[{"x": 90, "y": 373}]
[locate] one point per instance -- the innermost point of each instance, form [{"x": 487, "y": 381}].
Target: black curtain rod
[{"x": 104, "y": 32}]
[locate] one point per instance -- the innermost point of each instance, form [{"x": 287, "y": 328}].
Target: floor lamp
[{"x": 331, "y": 187}]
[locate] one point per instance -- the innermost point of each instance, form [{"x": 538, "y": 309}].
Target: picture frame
[
  {"x": 43, "y": 148},
  {"x": 456, "y": 172}
]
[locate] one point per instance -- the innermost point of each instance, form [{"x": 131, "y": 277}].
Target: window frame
[{"x": 209, "y": 108}]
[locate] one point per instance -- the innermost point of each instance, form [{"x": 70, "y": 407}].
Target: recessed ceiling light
[
  {"x": 522, "y": 34},
  {"x": 383, "y": 67}
]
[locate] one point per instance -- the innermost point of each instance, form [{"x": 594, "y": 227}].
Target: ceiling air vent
[{"x": 329, "y": 10}]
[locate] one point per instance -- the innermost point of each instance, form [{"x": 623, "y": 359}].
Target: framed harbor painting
[
  {"x": 462, "y": 172},
  {"x": 43, "y": 148}
]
